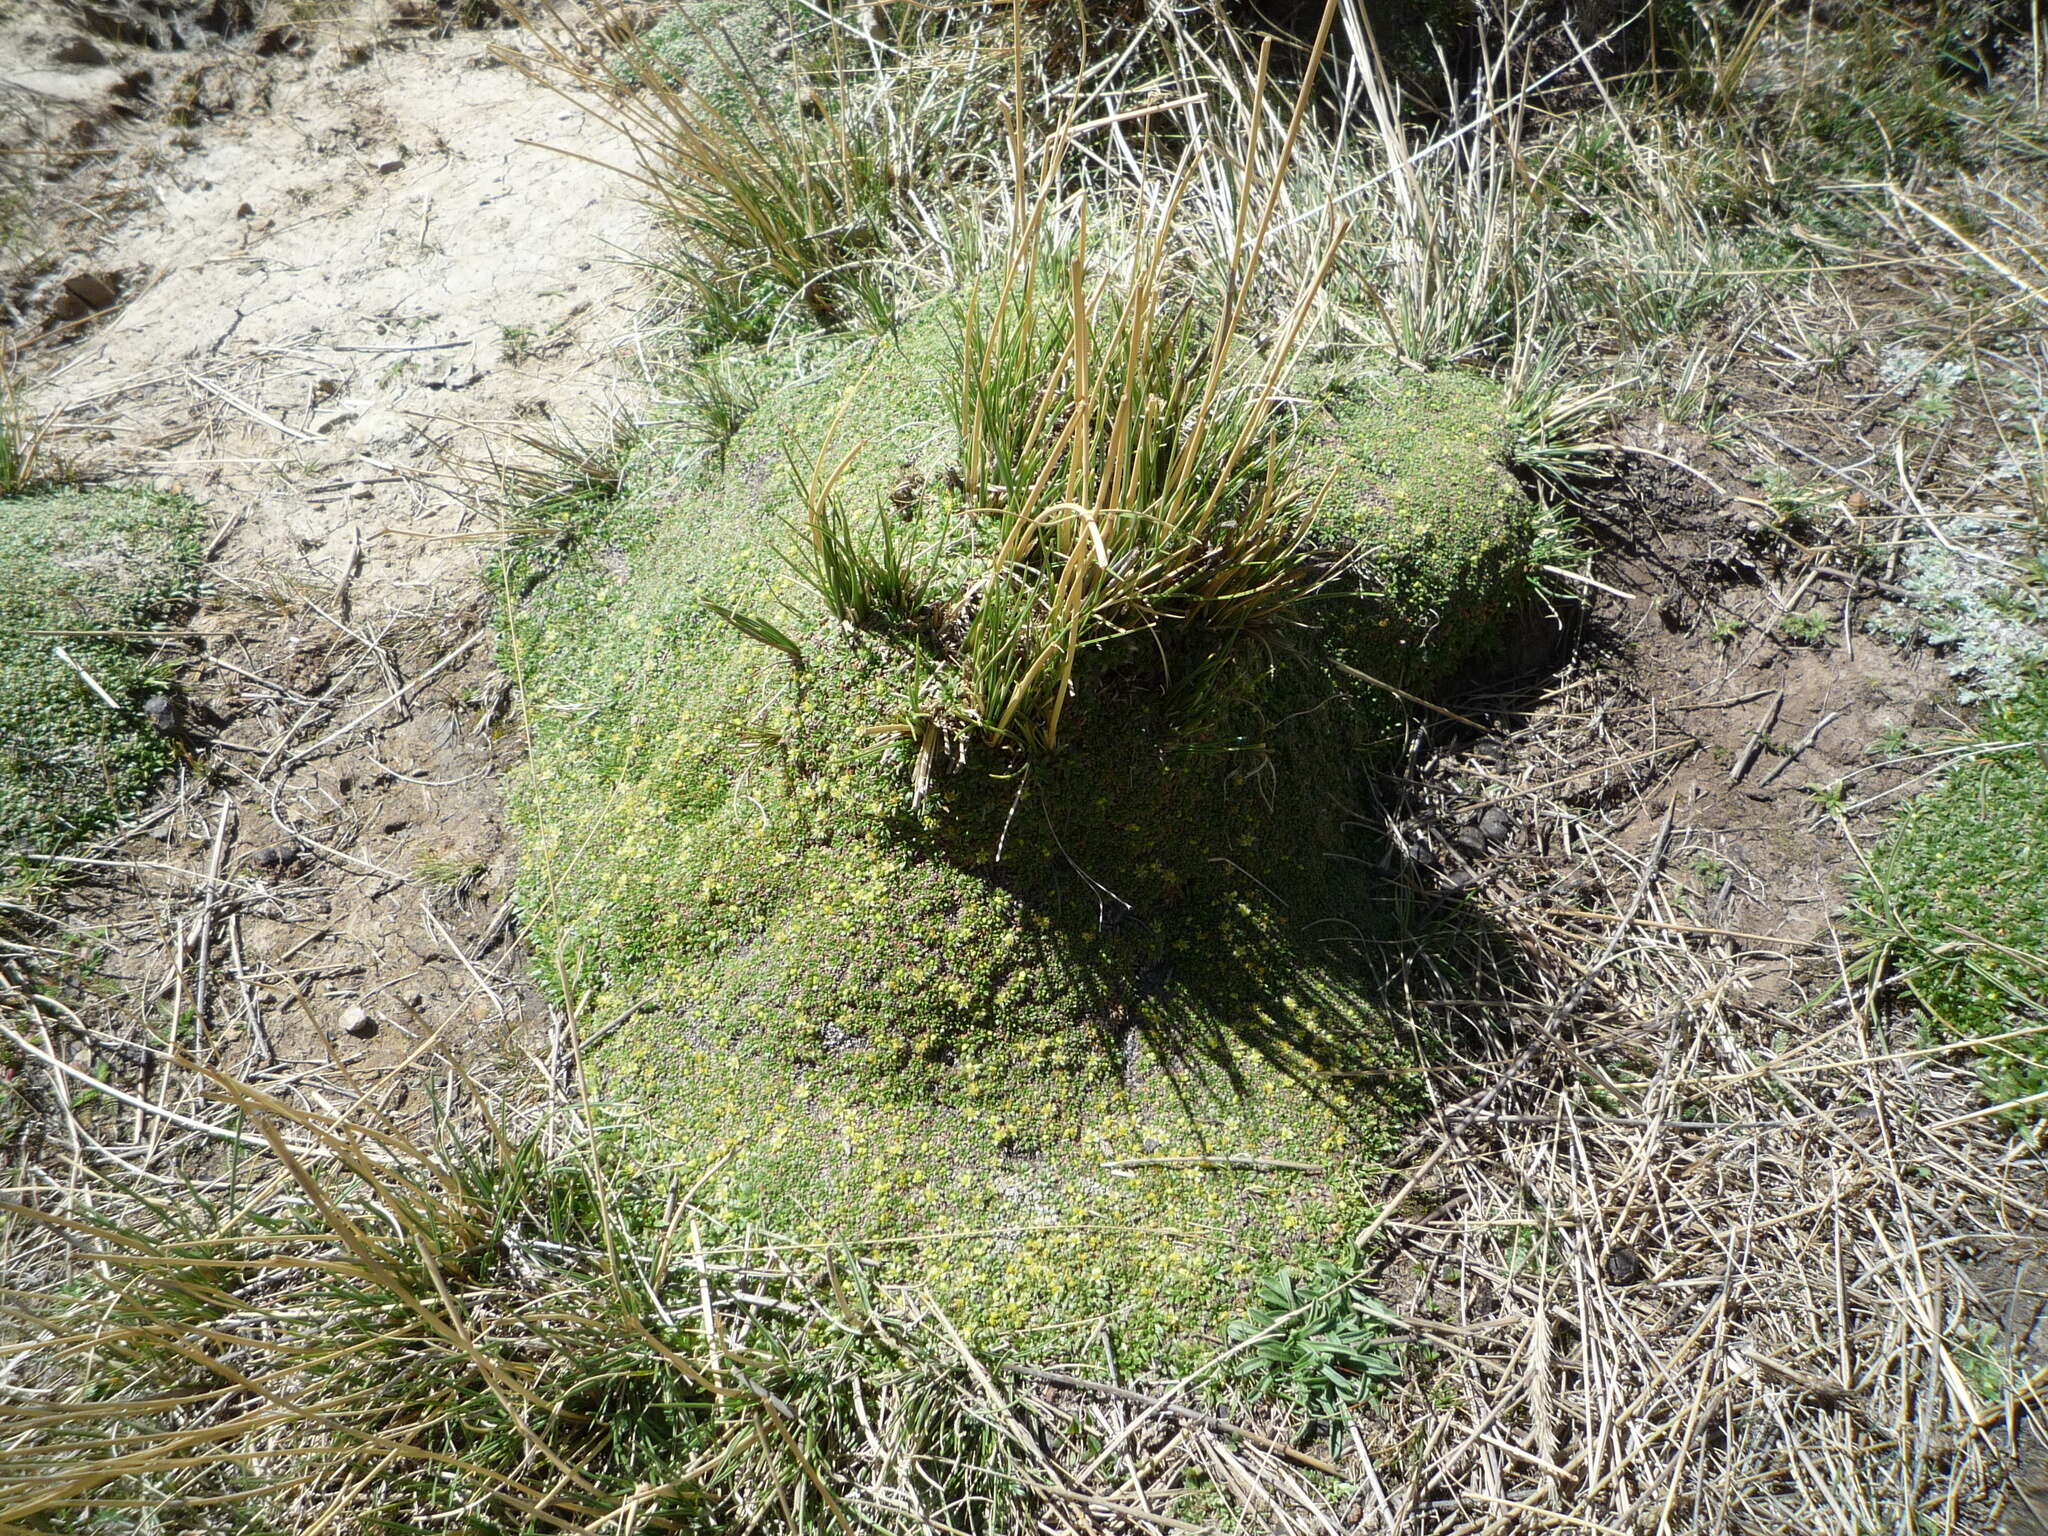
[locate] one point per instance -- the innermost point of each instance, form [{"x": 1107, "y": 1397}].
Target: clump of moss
[
  {"x": 1957, "y": 904},
  {"x": 1420, "y": 484},
  {"x": 86, "y": 570},
  {"x": 1076, "y": 1036}
]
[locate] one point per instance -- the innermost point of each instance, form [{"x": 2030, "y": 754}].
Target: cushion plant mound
[
  {"x": 1080, "y": 1036},
  {"x": 86, "y": 570}
]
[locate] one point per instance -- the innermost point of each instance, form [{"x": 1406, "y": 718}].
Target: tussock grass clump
[
  {"x": 20, "y": 438},
  {"x": 560, "y": 486},
  {"x": 781, "y": 207},
  {"x": 348, "y": 1321},
  {"x": 1117, "y": 486},
  {"x": 1135, "y": 488}
]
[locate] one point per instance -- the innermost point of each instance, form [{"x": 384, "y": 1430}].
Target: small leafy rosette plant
[{"x": 1323, "y": 1341}]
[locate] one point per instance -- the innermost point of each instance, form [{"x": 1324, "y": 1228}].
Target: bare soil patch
[
  {"x": 1770, "y": 689},
  {"x": 326, "y": 309},
  {"x": 1772, "y": 749}
]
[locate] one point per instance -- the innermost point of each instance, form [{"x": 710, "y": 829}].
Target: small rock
[
  {"x": 357, "y": 1023},
  {"x": 82, "y": 51},
  {"x": 1497, "y": 825},
  {"x": 278, "y": 859},
  {"x": 385, "y": 161},
  {"x": 1622, "y": 1265},
  {"x": 95, "y": 290},
  {"x": 1469, "y": 840},
  {"x": 161, "y": 710},
  {"x": 246, "y": 211}
]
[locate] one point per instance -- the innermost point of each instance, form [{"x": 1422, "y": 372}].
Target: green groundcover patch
[
  {"x": 1958, "y": 896},
  {"x": 1089, "y": 1041},
  {"x": 88, "y": 573}
]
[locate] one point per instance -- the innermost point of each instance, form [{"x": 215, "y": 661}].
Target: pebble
[
  {"x": 80, "y": 51},
  {"x": 1497, "y": 825},
  {"x": 161, "y": 710},
  {"x": 1621, "y": 1265},
  {"x": 276, "y": 859}
]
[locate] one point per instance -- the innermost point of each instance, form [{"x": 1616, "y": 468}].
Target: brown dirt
[
  {"x": 1768, "y": 733},
  {"x": 326, "y": 307},
  {"x": 1686, "y": 692}
]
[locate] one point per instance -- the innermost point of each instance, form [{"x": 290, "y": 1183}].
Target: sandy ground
[{"x": 339, "y": 294}]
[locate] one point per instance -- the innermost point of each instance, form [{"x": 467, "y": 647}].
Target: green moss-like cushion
[
  {"x": 1419, "y": 481},
  {"x": 85, "y": 570},
  {"x": 1086, "y": 1039},
  {"x": 1959, "y": 889}
]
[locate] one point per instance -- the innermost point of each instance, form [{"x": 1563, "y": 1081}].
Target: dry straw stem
[
  {"x": 1707, "y": 1281},
  {"x": 812, "y": 212}
]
